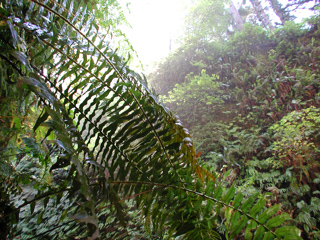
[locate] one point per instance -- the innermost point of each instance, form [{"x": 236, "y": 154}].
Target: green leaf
[
  {"x": 32, "y": 206},
  {"x": 84, "y": 217},
  {"x": 247, "y": 204},
  {"x": 45, "y": 202},
  {"x": 257, "y": 208},
  {"x": 62, "y": 161},
  {"x": 218, "y": 192},
  {"x": 14, "y": 34},
  {"x": 230, "y": 194},
  {"x": 40, "y": 120},
  {"x": 58, "y": 124},
  {"x": 235, "y": 219},
  {"x": 65, "y": 142},
  {"x": 23, "y": 59},
  {"x": 278, "y": 220},
  {"x": 39, "y": 219},
  {"x": 259, "y": 233},
  {"x": 135, "y": 93},
  {"x": 292, "y": 237},
  {"x": 288, "y": 232},
  {"x": 269, "y": 236},
  {"x": 237, "y": 200},
  {"x": 58, "y": 198},
  {"x": 239, "y": 227},
  {"x": 263, "y": 217},
  {"x": 17, "y": 122},
  {"x": 252, "y": 225},
  {"x": 173, "y": 146}
]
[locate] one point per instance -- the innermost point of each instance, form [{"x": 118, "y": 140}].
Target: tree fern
[{"x": 117, "y": 141}]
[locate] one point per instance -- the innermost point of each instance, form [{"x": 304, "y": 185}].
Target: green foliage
[
  {"x": 103, "y": 143},
  {"x": 295, "y": 148},
  {"x": 288, "y": 36},
  {"x": 203, "y": 88},
  {"x": 203, "y": 25},
  {"x": 193, "y": 56},
  {"x": 296, "y": 135},
  {"x": 251, "y": 39},
  {"x": 261, "y": 129}
]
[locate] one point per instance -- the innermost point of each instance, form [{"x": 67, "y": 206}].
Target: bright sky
[{"x": 154, "y": 23}]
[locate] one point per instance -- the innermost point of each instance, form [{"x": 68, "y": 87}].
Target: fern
[{"x": 117, "y": 141}]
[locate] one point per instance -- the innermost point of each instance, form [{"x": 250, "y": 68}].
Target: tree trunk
[
  {"x": 281, "y": 13},
  {"x": 262, "y": 16},
  {"x": 236, "y": 16}
]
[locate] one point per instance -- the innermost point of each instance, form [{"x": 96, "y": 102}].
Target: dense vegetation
[
  {"x": 251, "y": 104},
  {"x": 87, "y": 151}
]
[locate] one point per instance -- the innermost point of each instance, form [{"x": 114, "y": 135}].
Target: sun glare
[{"x": 155, "y": 26}]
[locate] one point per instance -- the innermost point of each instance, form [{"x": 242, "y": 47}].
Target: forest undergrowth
[{"x": 251, "y": 105}]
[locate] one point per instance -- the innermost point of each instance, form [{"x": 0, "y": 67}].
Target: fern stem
[
  {"x": 85, "y": 116},
  {"x": 119, "y": 76},
  {"x": 198, "y": 194},
  {"x": 130, "y": 197}
]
